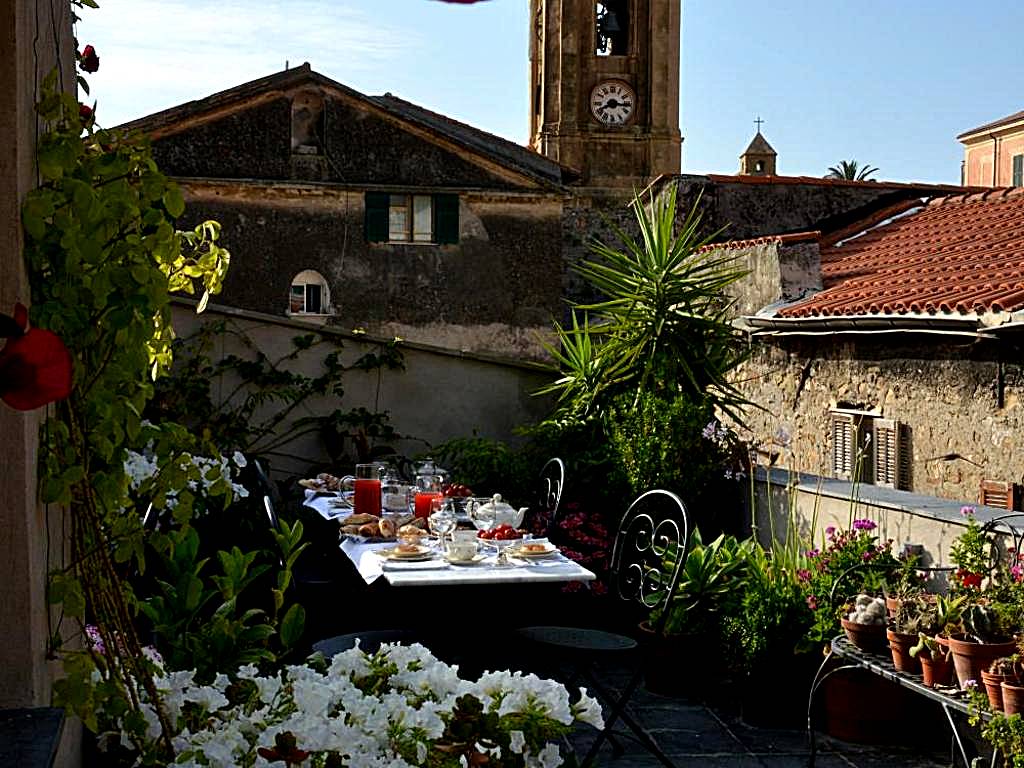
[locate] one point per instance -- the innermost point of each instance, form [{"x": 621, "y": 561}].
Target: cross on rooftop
[{"x": 758, "y": 123}]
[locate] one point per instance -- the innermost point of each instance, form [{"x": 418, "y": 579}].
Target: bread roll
[
  {"x": 411, "y": 530},
  {"x": 352, "y": 530},
  {"x": 360, "y": 519},
  {"x": 388, "y": 529},
  {"x": 369, "y": 530}
]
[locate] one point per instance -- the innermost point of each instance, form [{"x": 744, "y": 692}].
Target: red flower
[
  {"x": 88, "y": 60},
  {"x": 284, "y": 750},
  {"x": 969, "y": 578},
  {"x": 85, "y": 113},
  {"x": 35, "y": 366}
]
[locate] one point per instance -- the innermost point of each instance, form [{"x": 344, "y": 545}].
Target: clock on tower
[{"x": 605, "y": 88}]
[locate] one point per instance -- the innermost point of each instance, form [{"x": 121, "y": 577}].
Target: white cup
[{"x": 462, "y": 550}]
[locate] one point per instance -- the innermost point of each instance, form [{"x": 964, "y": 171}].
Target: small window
[
  {"x": 892, "y": 454},
  {"x": 309, "y": 295},
  {"x": 759, "y": 166},
  {"x": 612, "y": 27},
  {"x": 1018, "y": 170},
  {"x": 404, "y": 218}
]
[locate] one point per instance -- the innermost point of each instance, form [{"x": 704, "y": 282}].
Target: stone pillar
[{"x": 33, "y": 41}]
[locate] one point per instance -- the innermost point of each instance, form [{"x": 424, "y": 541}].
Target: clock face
[{"x": 612, "y": 102}]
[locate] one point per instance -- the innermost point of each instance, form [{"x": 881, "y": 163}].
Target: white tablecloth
[
  {"x": 322, "y": 502},
  {"x": 435, "y": 572}
]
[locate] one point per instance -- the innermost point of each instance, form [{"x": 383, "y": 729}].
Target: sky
[{"x": 890, "y": 83}]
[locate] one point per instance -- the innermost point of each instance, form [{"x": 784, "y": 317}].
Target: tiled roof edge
[
  {"x": 932, "y": 188},
  {"x": 792, "y": 237}
]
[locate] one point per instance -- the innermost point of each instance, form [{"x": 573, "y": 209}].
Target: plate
[
  {"x": 517, "y": 552},
  {"x": 475, "y": 560},
  {"x": 313, "y": 485},
  {"x": 420, "y": 553}
]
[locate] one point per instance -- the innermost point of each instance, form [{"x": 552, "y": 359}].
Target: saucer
[{"x": 475, "y": 560}]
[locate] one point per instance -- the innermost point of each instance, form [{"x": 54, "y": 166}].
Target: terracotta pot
[
  {"x": 900, "y": 645},
  {"x": 936, "y": 668},
  {"x": 867, "y": 637},
  {"x": 892, "y": 606},
  {"x": 1013, "y": 697},
  {"x": 993, "y": 687},
  {"x": 970, "y": 659}
]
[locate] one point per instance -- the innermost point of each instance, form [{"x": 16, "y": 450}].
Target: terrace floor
[{"x": 693, "y": 733}]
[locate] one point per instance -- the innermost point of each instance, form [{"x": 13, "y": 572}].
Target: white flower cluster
[
  {"x": 143, "y": 467},
  {"x": 387, "y": 709}
]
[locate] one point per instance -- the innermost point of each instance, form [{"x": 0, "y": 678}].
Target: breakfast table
[{"x": 437, "y": 571}]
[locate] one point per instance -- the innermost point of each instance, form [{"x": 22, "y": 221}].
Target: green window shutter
[
  {"x": 376, "y": 225},
  {"x": 446, "y": 216},
  {"x": 1018, "y": 170}
]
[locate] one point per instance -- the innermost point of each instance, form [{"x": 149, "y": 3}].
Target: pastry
[
  {"x": 360, "y": 519},
  {"x": 411, "y": 530},
  {"x": 369, "y": 530},
  {"x": 387, "y": 528},
  {"x": 351, "y": 530}
]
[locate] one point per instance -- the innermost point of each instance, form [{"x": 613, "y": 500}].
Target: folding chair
[{"x": 654, "y": 525}]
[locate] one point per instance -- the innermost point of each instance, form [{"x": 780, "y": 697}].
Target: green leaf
[
  {"x": 292, "y": 626},
  {"x": 174, "y": 202}
]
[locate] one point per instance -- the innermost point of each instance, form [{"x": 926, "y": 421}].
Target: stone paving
[{"x": 692, "y": 733}]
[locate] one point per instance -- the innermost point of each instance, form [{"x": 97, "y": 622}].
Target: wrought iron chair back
[
  {"x": 1011, "y": 526},
  {"x": 549, "y": 494},
  {"x": 650, "y": 550}
]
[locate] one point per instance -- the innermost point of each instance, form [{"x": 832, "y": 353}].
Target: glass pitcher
[{"x": 430, "y": 482}]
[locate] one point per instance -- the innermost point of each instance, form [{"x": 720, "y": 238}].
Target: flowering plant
[
  {"x": 832, "y": 577},
  {"x": 400, "y": 706},
  {"x": 971, "y": 552},
  {"x": 586, "y": 539}
]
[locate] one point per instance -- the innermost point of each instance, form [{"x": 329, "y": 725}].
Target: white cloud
[{"x": 158, "y": 53}]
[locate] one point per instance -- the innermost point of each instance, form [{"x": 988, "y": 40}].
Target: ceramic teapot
[{"x": 499, "y": 511}]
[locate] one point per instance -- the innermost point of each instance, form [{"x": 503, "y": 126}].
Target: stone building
[
  {"x": 888, "y": 352},
  {"x": 994, "y": 153}
]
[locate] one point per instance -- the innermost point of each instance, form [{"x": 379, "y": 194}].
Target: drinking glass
[{"x": 441, "y": 521}]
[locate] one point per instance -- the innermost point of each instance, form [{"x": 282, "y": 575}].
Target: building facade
[{"x": 994, "y": 153}]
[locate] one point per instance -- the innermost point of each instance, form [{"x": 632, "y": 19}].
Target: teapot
[
  {"x": 501, "y": 512},
  {"x": 429, "y": 476}
]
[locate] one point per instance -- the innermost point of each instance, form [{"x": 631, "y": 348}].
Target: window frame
[
  {"x": 313, "y": 279},
  {"x": 443, "y": 215},
  {"x": 1017, "y": 171}
]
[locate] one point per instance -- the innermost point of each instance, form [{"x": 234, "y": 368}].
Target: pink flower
[
  {"x": 830, "y": 531},
  {"x": 864, "y": 525},
  {"x": 812, "y": 603},
  {"x": 803, "y": 574},
  {"x": 1017, "y": 572},
  {"x": 967, "y": 511}
]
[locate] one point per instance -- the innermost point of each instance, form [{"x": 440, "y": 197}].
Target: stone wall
[
  {"x": 494, "y": 291},
  {"x": 961, "y": 402}
]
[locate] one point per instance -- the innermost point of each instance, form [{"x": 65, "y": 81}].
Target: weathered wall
[
  {"x": 494, "y": 291},
  {"x": 34, "y": 35},
  {"x": 360, "y": 145},
  {"x": 439, "y": 395},
  {"x": 962, "y": 399},
  {"x": 775, "y": 272}
]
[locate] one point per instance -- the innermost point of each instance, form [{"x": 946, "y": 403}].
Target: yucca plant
[{"x": 662, "y": 325}]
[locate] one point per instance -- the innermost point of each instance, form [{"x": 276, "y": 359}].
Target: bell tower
[{"x": 604, "y": 88}]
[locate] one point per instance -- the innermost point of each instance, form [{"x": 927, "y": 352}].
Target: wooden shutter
[
  {"x": 892, "y": 465},
  {"x": 843, "y": 445},
  {"x": 1018, "y": 170},
  {"x": 446, "y": 218},
  {"x": 376, "y": 224},
  {"x": 999, "y": 494}
]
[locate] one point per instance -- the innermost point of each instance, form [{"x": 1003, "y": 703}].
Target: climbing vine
[{"x": 103, "y": 257}]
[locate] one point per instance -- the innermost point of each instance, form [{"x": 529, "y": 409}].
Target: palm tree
[{"x": 851, "y": 171}]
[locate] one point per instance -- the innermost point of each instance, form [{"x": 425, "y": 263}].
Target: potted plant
[
  {"x": 709, "y": 582},
  {"x": 985, "y": 636},
  {"x": 932, "y": 649},
  {"x": 1006, "y": 668},
  {"x": 912, "y": 616},
  {"x": 865, "y": 623}
]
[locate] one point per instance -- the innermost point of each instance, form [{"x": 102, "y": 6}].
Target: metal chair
[
  {"x": 369, "y": 640},
  {"x": 654, "y": 526},
  {"x": 549, "y": 496}
]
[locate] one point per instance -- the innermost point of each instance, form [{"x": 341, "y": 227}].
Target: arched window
[
  {"x": 309, "y": 295},
  {"x": 612, "y": 18},
  {"x": 307, "y": 123}
]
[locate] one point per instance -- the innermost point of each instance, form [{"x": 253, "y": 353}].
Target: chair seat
[
  {"x": 577, "y": 639},
  {"x": 370, "y": 641}
]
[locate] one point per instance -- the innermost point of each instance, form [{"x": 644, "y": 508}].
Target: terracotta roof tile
[{"x": 958, "y": 255}]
